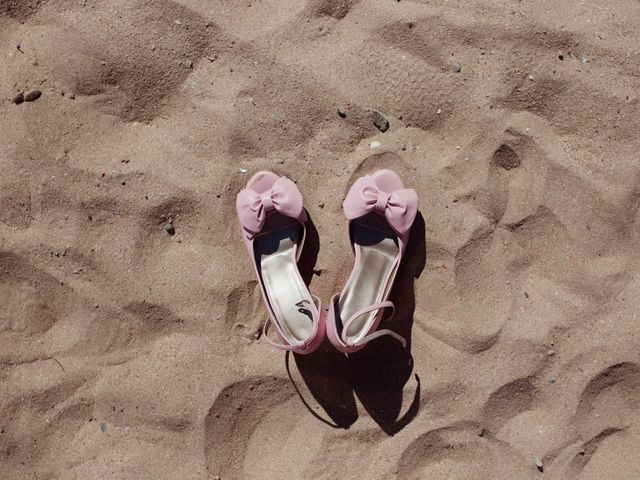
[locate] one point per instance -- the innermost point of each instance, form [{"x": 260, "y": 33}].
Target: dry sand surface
[{"x": 129, "y": 353}]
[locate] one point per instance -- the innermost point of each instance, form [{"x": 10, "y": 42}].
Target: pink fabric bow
[
  {"x": 399, "y": 207},
  {"x": 253, "y": 208}
]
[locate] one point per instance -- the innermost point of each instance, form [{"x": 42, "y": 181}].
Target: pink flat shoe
[
  {"x": 273, "y": 219},
  {"x": 380, "y": 211}
]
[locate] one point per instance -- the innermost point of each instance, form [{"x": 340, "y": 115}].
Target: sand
[{"x": 129, "y": 353}]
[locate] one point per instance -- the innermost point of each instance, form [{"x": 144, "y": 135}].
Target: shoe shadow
[
  {"x": 380, "y": 371},
  {"x": 377, "y": 374},
  {"x": 325, "y": 371},
  {"x": 310, "y": 251}
]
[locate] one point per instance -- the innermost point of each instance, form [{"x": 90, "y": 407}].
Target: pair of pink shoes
[{"x": 380, "y": 211}]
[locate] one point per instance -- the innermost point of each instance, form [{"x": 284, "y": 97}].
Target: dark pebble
[
  {"x": 410, "y": 24},
  {"x": 103, "y": 427},
  {"x": 561, "y": 55},
  {"x": 456, "y": 67},
  {"x": 169, "y": 228},
  {"x": 380, "y": 121},
  {"x": 342, "y": 113},
  {"x": 18, "y": 99},
  {"x": 32, "y": 95}
]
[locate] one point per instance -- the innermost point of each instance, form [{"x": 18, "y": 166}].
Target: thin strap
[
  {"x": 376, "y": 334},
  {"x": 289, "y": 347},
  {"x": 380, "y": 333},
  {"x": 281, "y": 346}
]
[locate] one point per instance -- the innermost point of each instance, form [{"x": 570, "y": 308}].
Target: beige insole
[
  {"x": 378, "y": 248},
  {"x": 289, "y": 297}
]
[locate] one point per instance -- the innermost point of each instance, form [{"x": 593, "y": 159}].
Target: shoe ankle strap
[
  {"x": 378, "y": 333},
  {"x": 296, "y": 346}
]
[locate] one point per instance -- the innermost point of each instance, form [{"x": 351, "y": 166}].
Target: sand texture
[{"x": 130, "y": 353}]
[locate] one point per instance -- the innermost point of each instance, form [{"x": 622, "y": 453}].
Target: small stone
[
  {"x": 32, "y": 95},
  {"x": 103, "y": 427},
  {"x": 456, "y": 67},
  {"x": 539, "y": 464},
  {"x": 18, "y": 99},
  {"x": 551, "y": 353},
  {"x": 380, "y": 121},
  {"x": 342, "y": 113},
  {"x": 439, "y": 111},
  {"x": 561, "y": 55},
  {"x": 170, "y": 229},
  {"x": 531, "y": 77},
  {"x": 410, "y": 24},
  {"x": 189, "y": 64},
  {"x": 243, "y": 170},
  {"x": 552, "y": 380},
  {"x": 321, "y": 205},
  {"x": 375, "y": 144}
]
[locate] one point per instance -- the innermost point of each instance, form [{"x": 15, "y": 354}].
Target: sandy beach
[{"x": 128, "y": 351}]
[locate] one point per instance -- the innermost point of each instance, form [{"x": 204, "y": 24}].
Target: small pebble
[
  {"x": 439, "y": 111},
  {"x": 170, "y": 229},
  {"x": 539, "y": 464},
  {"x": 380, "y": 121},
  {"x": 103, "y": 427},
  {"x": 32, "y": 95},
  {"x": 375, "y": 144},
  {"x": 321, "y": 205},
  {"x": 551, "y": 353},
  {"x": 531, "y": 77},
  {"x": 456, "y": 67},
  {"x": 410, "y": 24},
  {"x": 18, "y": 99},
  {"x": 243, "y": 170},
  {"x": 552, "y": 380},
  {"x": 342, "y": 113},
  {"x": 561, "y": 55}
]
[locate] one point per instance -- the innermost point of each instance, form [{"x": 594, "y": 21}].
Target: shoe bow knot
[
  {"x": 399, "y": 207},
  {"x": 284, "y": 197}
]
